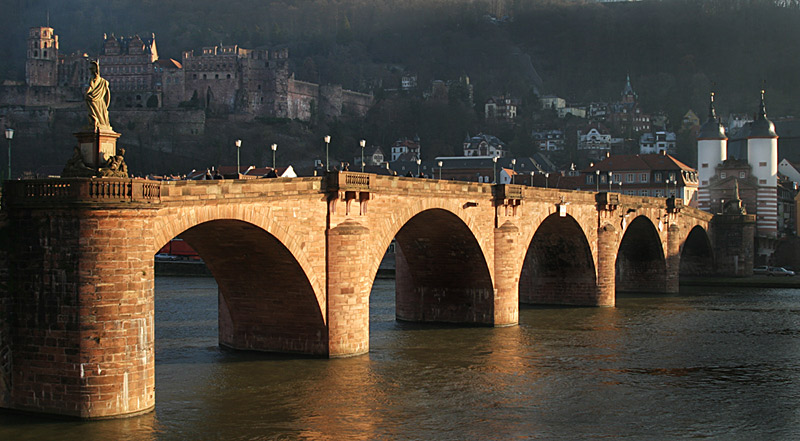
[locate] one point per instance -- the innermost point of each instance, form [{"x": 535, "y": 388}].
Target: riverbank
[{"x": 749, "y": 282}]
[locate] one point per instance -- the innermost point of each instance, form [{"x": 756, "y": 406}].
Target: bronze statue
[{"x": 98, "y": 98}]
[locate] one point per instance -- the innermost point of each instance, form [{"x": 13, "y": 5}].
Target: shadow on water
[{"x": 705, "y": 363}]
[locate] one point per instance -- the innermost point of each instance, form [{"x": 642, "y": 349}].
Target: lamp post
[
  {"x": 546, "y": 179},
  {"x": 327, "y": 143},
  {"x": 9, "y": 137},
  {"x": 609, "y": 181},
  {"x": 419, "y": 162},
  {"x": 494, "y": 169},
  {"x": 597, "y": 184},
  {"x": 532, "y": 173},
  {"x": 362, "y": 143},
  {"x": 666, "y": 188},
  {"x": 274, "y": 149},
  {"x": 238, "y": 148},
  {"x": 440, "y": 170},
  {"x": 513, "y": 163},
  {"x": 676, "y": 186}
]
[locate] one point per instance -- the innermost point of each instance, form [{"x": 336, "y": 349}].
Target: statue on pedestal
[{"x": 98, "y": 99}]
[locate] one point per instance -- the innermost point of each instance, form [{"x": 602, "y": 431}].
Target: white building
[
  {"x": 552, "y": 102},
  {"x": 484, "y": 145},
  {"x": 549, "y": 140},
  {"x": 658, "y": 142}
]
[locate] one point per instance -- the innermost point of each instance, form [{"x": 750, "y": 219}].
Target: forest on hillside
[{"x": 675, "y": 51}]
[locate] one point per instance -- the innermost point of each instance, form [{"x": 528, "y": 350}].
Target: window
[
  {"x": 704, "y": 165},
  {"x": 630, "y": 177},
  {"x": 643, "y": 177},
  {"x": 742, "y": 175},
  {"x": 657, "y": 177},
  {"x": 617, "y": 178},
  {"x": 705, "y": 183},
  {"x": 760, "y": 164},
  {"x": 644, "y": 193},
  {"x": 723, "y": 175},
  {"x": 589, "y": 179},
  {"x": 672, "y": 177},
  {"x": 216, "y": 76},
  {"x": 762, "y": 181}
]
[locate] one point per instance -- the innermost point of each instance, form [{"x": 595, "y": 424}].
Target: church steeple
[{"x": 628, "y": 95}]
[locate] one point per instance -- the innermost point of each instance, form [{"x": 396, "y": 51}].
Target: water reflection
[{"x": 715, "y": 363}]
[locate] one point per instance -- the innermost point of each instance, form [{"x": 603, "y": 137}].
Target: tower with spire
[
  {"x": 755, "y": 179},
  {"x": 762, "y": 155},
  {"x": 712, "y": 151}
]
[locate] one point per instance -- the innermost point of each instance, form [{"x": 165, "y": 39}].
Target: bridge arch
[
  {"x": 267, "y": 302},
  {"x": 170, "y": 223},
  {"x": 697, "y": 255},
  {"x": 442, "y": 274},
  {"x": 558, "y": 267},
  {"x": 641, "y": 265}
]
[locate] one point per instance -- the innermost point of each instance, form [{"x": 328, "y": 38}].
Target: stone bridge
[{"x": 295, "y": 260}]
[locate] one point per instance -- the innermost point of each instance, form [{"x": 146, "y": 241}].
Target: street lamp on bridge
[
  {"x": 494, "y": 169},
  {"x": 362, "y": 143},
  {"x": 9, "y": 137},
  {"x": 609, "y": 181},
  {"x": 440, "y": 169},
  {"x": 532, "y": 173},
  {"x": 238, "y": 148},
  {"x": 274, "y": 149},
  {"x": 546, "y": 180},
  {"x": 327, "y": 143},
  {"x": 419, "y": 162},
  {"x": 597, "y": 184}
]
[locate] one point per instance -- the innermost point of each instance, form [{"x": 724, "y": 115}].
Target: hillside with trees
[{"x": 675, "y": 51}]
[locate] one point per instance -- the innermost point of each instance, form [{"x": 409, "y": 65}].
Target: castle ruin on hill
[{"x": 222, "y": 80}]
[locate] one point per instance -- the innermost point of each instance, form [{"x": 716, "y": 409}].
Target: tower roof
[
  {"x": 712, "y": 128},
  {"x": 762, "y": 127}
]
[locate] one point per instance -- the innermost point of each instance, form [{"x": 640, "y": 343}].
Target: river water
[{"x": 720, "y": 363}]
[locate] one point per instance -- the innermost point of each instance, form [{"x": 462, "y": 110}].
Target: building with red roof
[{"x": 657, "y": 175}]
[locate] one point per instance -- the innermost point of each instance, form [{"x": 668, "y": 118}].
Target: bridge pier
[
  {"x": 82, "y": 322},
  {"x": 673, "y": 259},
  {"x": 348, "y": 290},
  {"x": 606, "y": 265},
  {"x": 506, "y": 275}
]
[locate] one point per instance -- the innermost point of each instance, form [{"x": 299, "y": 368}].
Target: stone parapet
[{"x": 81, "y": 191}]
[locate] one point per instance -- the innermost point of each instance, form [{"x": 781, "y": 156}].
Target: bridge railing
[
  {"x": 508, "y": 191},
  {"x": 348, "y": 181},
  {"x": 81, "y": 190}
]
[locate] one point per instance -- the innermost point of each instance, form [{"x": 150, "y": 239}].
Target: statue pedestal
[{"x": 96, "y": 147}]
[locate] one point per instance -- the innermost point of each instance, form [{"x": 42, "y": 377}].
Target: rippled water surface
[{"x": 708, "y": 363}]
